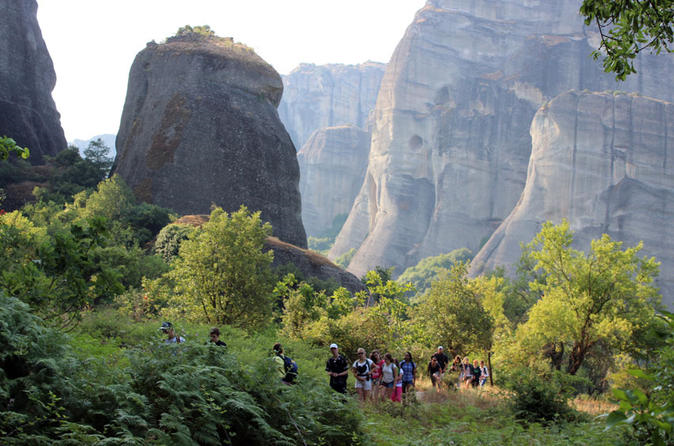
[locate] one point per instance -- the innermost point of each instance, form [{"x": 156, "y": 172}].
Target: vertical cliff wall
[
  {"x": 27, "y": 111},
  {"x": 200, "y": 127},
  {"x": 602, "y": 161},
  {"x": 318, "y": 96},
  {"x": 332, "y": 168},
  {"x": 450, "y": 143}
]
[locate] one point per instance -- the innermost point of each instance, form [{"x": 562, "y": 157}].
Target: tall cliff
[
  {"x": 27, "y": 111},
  {"x": 450, "y": 143},
  {"x": 318, "y": 96},
  {"x": 332, "y": 168},
  {"x": 200, "y": 127},
  {"x": 601, "y": 161}
]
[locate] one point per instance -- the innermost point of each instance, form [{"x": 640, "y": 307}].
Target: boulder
[
  {"x": 318, "y": 96},
  {"x": 450, "y": 142},
  {"x": 332, "y": 168},
  {"x": 601, "y": 161},
  {"x": 200, "y": 127},
  {"x": 27, "y": 111}
]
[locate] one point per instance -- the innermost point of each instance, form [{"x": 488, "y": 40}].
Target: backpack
[{"x": 290, "y": 368}]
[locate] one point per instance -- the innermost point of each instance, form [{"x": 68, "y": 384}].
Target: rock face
[
  {"x": 332, "y": 168},
  {"x": 200, "y": 127},
  {"x": 27, "y": 111},
  {"x": 450, "y": 142},
  {"x": 318, "y": 96},
  {"x": 601, "y": 161}
]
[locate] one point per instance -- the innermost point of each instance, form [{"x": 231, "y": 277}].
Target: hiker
[
  {"x": 484, "y": 375},
  {"x": 476, "y": 371},
  {"x": 435, "y": 372},
  {"x": 338, "y": 370},
  {"x": 362, "y": 370},
  {"x": 466, "y": 375},
  {"x": 397, "y": 395},
  {"x": 408, "y": 370},
  {"x": 456, "y": 367},
  {"x": 389, "y": 376},
  {"x": 215, "y": 337},
  {"x": 442, "y": 359},
  {"x": 376, "y": 373},
  {"x": 171, "y": 338},
  {"x": 286, "y": 367}
]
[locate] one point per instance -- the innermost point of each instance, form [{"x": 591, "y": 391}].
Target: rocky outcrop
[
  {"x": 318, "y": 96},
  {"x": 27, "y": 111},
  {"x": 200, "y": 127},
  {"x": 450, "y": 143},
  {"x": 332, "y": 168},
  {"x": 602, "y": 162}
]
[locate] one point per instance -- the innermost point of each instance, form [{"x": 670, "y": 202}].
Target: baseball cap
[
  {"x": 333, "y": 346},
  {"x": 440, "y": 347}
]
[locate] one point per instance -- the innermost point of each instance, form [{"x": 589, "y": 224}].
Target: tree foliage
[
  {"x": 8, "y": 145},
  {"x": 588, "y": 301},
  {"x": 452, "y": 314},
  {"x": 427, "y": 270},
  {"x": 628, "y": 27},
  {"x": 223, "y": 274}
]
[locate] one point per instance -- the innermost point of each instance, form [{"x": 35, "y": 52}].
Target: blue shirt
[{"x": 407, "y": 369}]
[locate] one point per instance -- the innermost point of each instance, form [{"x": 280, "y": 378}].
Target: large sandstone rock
[
  {"x": 450, "y": 143},
  {"x": 601, "y": 161},
  {"x": 332, "y": 168},
  {"x": 318, "y": 96},
  {"x": 200, "y": 127},
  {"x": 27, "y": 111}
]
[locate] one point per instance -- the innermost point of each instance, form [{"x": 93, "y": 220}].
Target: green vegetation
[
  {"x": 8, "y": 145},
  {"x": 628, "y": 27},
  {"x": 429, "y": 269},
  {"x": 109, "y": 270}
]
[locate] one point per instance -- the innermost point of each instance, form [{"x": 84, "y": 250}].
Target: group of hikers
[
  {"x": 376, "y": 377},
  {"x": 386, "y": 378}
]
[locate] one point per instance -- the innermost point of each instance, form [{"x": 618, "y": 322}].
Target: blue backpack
[{"x": 290, "y": 368}]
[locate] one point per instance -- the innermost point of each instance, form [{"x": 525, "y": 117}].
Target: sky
[{"x": 93, "y": 42}]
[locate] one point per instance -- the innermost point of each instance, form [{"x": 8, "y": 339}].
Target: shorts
[
  {"x": 387, "y": 385},
  {"x": 365, "y": 385}
]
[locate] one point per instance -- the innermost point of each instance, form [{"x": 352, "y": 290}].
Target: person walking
[
  {"x": 389, "y": 376},
  {"x": 442, "y": 359},
  {"x": 466, "y": 375},
  {"x": 408, "y": 369},
  {"x": 376, "y": 373},
  {"x": 476, "y": 371},
  {"x": 215, "y": 337},
  {"x": 484, "y": 375},
  {"x": 362, "y": 370},
  {"x": 435, "y": 373},
  {"x": 171, "y": 338},
  {"x": 338, "y": 370}
]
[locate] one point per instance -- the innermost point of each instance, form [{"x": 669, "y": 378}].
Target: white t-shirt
[
  {"x": 387, "y": 372},
  {"x": 363, "y": 368}
]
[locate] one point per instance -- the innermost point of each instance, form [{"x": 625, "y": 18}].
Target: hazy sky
[{"x": 94, "y": 42}]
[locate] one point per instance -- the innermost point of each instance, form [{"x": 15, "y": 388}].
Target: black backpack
[{"x": 290, "y": 367}]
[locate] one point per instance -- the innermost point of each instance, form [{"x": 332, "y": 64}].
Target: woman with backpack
[
  {"x": 466, "y": 375},
  {"x": 389, "y": 375},
  {"x": 362, "y": 369},
  {"x": 408, "y": 369}
]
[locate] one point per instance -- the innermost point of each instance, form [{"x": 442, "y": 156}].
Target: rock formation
[
  {"x": 200, "y": 127},
  {"x": 332, "y": 168},
  {"x": 601, "y": 161},
  {"x": 27, "y": 111},
  {"x": 450, "y": 141},
  {"x": 317, "y": 96}
]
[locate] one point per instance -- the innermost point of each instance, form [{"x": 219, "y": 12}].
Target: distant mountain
[{"x": 108, "y": 140}]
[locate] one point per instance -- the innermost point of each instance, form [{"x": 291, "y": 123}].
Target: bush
[
  {"x": 168, "y": 394},
  {"x": 539, "y": 399}
]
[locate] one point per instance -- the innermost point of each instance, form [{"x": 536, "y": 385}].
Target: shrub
[{"x": 535, "y": 398}]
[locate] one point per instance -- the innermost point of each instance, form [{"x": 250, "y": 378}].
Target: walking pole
[{"x": 491, "y": 373}]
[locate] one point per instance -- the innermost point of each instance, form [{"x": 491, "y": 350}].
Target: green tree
[
  {"x": 628, "y": 27},
  {"x": 589, "y": 301},
  {"x": 8, "y": 145},
  {"x": 427, "y": 270},
  {"x": 452, "y": 314},
  {"x": 223, "y": 275}
]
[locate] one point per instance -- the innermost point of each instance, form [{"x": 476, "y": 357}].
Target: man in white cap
[
  {"x": 442, "y": 359},
  {"x": 338, "y": 370}
]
